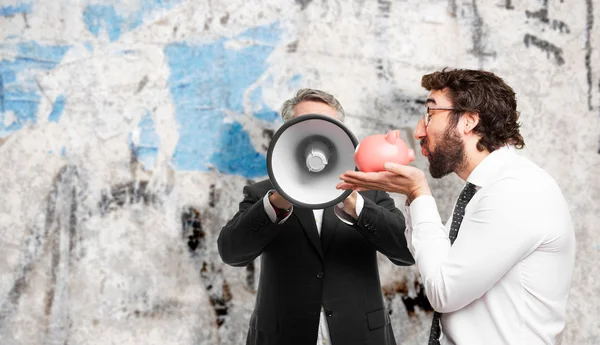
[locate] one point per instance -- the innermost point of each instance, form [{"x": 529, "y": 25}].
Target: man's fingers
[
  {"x": 355, "y": 187},
  {"x": 355, "y": 176},
  {"x": 344, "y": 186}
]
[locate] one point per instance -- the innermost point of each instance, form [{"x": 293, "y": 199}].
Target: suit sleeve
[
  {"x": 383, "y": 225},
  {"x": 250, "y": 230}
]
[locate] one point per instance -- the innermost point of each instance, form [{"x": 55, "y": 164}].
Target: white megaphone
[{"x": 306, "y": 157}]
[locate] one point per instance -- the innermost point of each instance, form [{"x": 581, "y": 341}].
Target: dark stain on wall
[
  {"x": 542, "y": 16},
  {"x": 207, "y": 23},
  {"x": 384, "y": 7},
  {"x": 398, "y": 104},
  {"x": 220, "y": 299},
  {"x": 126, "y": 193},
  {"x": 478, "y": 37},
  {"x": 267, "y": 133},
  {"x": 452, "y": 7},
  {"x": 26, "y": 20},
  {"x": 292, "y": 47},
  {"x": 63, "y": 200},
  {"x": 211, "y": 277},
  {"x": 225, "y": 19},
  {"x": 168, "y": 307},
  {"x": 213, "y": 196},
  {"x": 303, "y": 3},
  {"x": 192, "y": 229},
  {"x": 382, "y": 72},
  {"x": 588, "y": 49},
  {"x": 549, "y": 48},
  {"x": 382, "y": 27},
  {"x": 142, "y": 84},
  {"x": 400, "y": 288},
  {"x": 250, "y": 276},
  {"x": 508, "y": 5}
]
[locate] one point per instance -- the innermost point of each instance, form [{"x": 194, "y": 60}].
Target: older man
[{"x": 319, "y": 281}]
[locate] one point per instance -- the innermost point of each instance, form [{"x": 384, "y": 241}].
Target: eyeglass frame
[{"x": 427, "y": 116}]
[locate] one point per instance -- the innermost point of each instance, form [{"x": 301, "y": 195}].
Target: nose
[{"x": 420, "y": 130}]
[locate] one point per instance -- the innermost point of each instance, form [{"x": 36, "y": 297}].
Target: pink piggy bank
[{"x": 373, "y": 151}]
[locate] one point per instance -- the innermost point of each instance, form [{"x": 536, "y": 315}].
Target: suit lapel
[
  {"x": 329, "y": 227},
  {"x": 306, "y": 217}
]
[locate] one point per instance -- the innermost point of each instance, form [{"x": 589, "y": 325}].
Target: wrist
[
  {"x": 417, "y": 192},
  {"x": 277, "y": 205}
]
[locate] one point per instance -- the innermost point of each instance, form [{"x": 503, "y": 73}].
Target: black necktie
[{"x": 457, "y": 217}]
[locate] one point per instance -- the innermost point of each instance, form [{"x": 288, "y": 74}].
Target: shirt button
[
  {"x": 328, "y": 313},
  {"x": 320, "y": 275}
]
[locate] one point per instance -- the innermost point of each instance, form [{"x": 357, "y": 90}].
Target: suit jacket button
[
  {"x": 320, "y": 275},
  {"x": 328, "y": 313}
]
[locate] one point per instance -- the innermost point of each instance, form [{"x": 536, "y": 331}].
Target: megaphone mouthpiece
[{"x": 317, "y": 156}]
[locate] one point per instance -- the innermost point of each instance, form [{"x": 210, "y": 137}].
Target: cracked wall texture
[{"x": 128, "y": 128}]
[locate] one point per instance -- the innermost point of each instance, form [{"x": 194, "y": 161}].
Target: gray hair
[{"x": 287, "y": 109}]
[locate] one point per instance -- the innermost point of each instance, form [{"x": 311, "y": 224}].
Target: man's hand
[
  {"x": 397, "y": 178},
  {"x": 350, "y": 204},
  {"x": 279, "y": 202}
]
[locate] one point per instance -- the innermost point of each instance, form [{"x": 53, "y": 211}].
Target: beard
[{"x": 448, "y": 156}]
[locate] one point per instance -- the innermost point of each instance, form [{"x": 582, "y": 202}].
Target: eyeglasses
[{"x": 428, "y": 114}]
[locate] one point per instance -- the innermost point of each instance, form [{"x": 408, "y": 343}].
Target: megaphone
[{"x": 306, "y": 157}]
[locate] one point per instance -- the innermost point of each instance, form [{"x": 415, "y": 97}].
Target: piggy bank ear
[{"x": 392, "y": 136}]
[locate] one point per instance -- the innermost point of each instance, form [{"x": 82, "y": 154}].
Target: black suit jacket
[{"x": 301, "y": 271}]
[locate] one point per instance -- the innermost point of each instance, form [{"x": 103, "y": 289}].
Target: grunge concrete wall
[{"x": 128, "y": 128}]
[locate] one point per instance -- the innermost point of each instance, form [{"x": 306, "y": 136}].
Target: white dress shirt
[
  {"x": 323, "y": 334},
  {"x": 506, "y": 278}
]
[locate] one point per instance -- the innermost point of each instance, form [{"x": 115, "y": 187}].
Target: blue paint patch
[
  {"x": 206, "y": 82},
  {"x": 295, "y": 81},
  {"x": 20, "y": 96},
  {"x": 236, "y": 155},
  {"x": 105, "y": 17},
  {"x": 24, "y": 7},
  {"x": 98, "y": 16},
  {"x": 89, "y": 46},
  {"x": 57, "y": 109},
  {"x": 146, "y": 150}
]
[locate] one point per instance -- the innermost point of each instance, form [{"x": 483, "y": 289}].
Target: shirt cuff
[
  {"x": 270, "y": 210},
  {"x": 345, "y": 217},
  {"x": 423, "y": 210}
]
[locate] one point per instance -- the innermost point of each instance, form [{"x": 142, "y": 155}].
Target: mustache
[{"x": 424, "y": 142}]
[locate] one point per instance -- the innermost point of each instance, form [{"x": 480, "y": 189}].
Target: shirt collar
[{"x": 484, "y": 173}]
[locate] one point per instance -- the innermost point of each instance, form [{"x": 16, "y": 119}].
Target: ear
[{"x": 471, "y": 120}]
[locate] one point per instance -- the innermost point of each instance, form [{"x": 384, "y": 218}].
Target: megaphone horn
[{"x": 306, "y": 157}]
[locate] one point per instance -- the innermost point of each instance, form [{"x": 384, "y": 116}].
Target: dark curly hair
[{"x": 483, "y": 93}]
